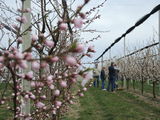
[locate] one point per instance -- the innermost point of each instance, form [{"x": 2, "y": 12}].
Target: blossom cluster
[{"x": 45, "y": 73}]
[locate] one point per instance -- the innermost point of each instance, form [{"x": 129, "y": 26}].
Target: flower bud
[{"x": 63, "y": 26}]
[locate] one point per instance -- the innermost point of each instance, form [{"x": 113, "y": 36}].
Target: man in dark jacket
[
  {"x": 103, "y": 77},
  {"x": 112, "y": 77}
]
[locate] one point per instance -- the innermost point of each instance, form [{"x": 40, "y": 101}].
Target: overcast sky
[{"x": 117, "y": 16}]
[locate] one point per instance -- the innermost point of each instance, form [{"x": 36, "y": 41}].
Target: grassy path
[{"x": 103, "y": 105}]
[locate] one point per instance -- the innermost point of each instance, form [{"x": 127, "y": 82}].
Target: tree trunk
[
  {"x": 142, "y": 85},
  {"x": 154, "y": 89}
]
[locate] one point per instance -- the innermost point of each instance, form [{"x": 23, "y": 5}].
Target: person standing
[
  {"x": 103, "y": 77},
  {"x": 116, "y": 75},
  {"x": 96, "y": 77},
  {"x": 112, "y": 77}
]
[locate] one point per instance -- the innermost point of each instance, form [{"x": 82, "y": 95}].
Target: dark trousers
[
  {"x": 96, "y": 81},
  {"x": 111, "y": 83},
  {"x": 103, "y": 83}
]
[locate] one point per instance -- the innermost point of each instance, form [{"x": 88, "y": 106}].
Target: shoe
[{"x": 103, "y": 89}]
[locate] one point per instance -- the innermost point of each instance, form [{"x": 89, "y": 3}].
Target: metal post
[
  {"x": 26, "y": 44},
  {"x": 124, "y": 79},
  {"x": 159, "y": 33},
  {"x": 159, "y": 38},
  {"x": 102, "y": 61},
  {"x": 110, "y": 55}
]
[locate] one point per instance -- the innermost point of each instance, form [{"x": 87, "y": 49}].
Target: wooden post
[{"x": 26, "y": 44}]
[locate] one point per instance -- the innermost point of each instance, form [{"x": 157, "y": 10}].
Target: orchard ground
[
  {"x": 102, "y": 105},
  {"x": 122, "y": 105}
]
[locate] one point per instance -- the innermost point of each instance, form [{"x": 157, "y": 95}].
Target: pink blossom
[
  {"x": 56, "y": 92},
  {"x": 91, "y": 49},
  {"x": 78, "y": 22},
  {"x": 51, "y": 87},
  {"x": 65, "y": 74},
  {"x": 74, "y": 74},
  {"x": 63, "y": 84},
  {"x": 49, "y": 43},
  {"x": 54, "y": 112},
  {"x": 54, "y": 59},
  {"x": 29, "y": 75},
  {"x": 73, "y": 80},
  {"x": 21, "y": 75},
  {"x": 26, "y": 96},
  {"x": 2, "y": 102},
  {"x": 19, "y": 55},
  {"x": 82, "y": 15},
  {"x": 43, "y": 97},
  {"x": 1, "y": 59},
  {"x": 81, "y": 94},
  {"x": 22, "y": 19},
  {"x": 32, "y": 96},
  {"x": 27, "y": 55},
  {"x": 89, "y": 55},
  {"x": 18, "y": 19},
  {"x": 49, "y": 82},
  {"x": 13, "y": 94},
  {"x": 84, "y": 89},
  {"x": 23, "y": 64},
  {"x": 87, "y": 76},
  {"x": 40, "y": 105},
  {"x": 11, "y": 56},
  {"x": 41, "y": 84},
  {"x": 59, "y": 77},
  {"x": 71, "y": 102},
  {"x": 34, "y": 37},
  {"x": 19, "y": 40},
  {"x": 73, "y": 97},
  {"x": 1, "y": 26},
  {"x": 63, "y": 26},
  {"x": 39, "y": 46},
  {"x": 18, "y": 93},
  {"x": 18, "y": 87},
  {"x": 19, "y": 10},
  {"x": 12, "y": 64},
  {"x": 43, "y": 64},
  {"x": 71, "y": 61},
  {"x": 13, "y": 49},
  {"x": 27, "y": 10},
  {"x": 28, "y": 118},
  {"x": 35, "y": 65},
  {"x": 58, "y": 103},
  {"x": 15, "y": 27},
  {"x": 6, "y": 52},
  {"x": 49, "y": 79},
  {"x": 33, "y": 84},
  {"x": 79, "y": 48}
]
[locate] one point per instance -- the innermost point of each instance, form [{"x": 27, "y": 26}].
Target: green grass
[
  {"x": 147, "y": 87},
  {"x": 103, "y": 105},
  {"x": 5, "y": 114}
]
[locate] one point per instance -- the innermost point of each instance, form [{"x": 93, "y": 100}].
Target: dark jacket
[
  {"x": 103, "y": 76},
  {"x": 112, "y": 72}
]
